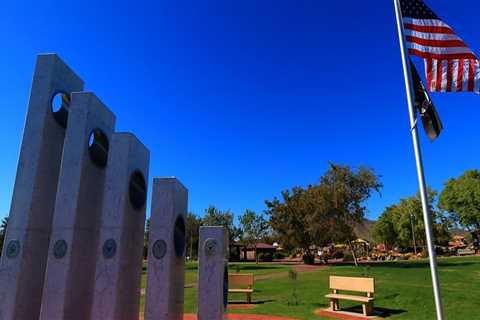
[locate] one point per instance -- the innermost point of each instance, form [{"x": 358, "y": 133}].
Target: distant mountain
[{"x": 364, "y": 230}]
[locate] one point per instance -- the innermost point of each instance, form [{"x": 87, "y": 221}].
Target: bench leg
[
  {"x": 370, "y": 308},
  {"x": 334, "y": 305},
  {"x": 367, "y": 308},
  {"x": 249, "y": 298}
]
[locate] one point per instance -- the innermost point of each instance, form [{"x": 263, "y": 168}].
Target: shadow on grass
[
  {"x": 243, "y": 302},
  {"x": 251, "y": 267},
  {"x": 383, "y": 312},
  {"x": 419, "y": 265},
  {"x": 407, "y": 264},
  {"x": 380, "y": 311}
]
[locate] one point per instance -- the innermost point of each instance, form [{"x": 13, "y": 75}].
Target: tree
[
  {"x": 146, "y": 238},
  {"x": 399, "y": 222},
  {"x": 192, "y": 227},
  {"x": 461, "y": 199},
  {"x": 216, "y": 217},
  {"x": 324, "y": 213},
  {"x": 255, "y": 228},
  {"x": 384, "y": 229},
  {"x": 3, "y": 231}
]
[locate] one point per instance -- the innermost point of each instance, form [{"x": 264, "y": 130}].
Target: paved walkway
[
  {"x": 342, "y": 315},
  {"x": 242, "y": 317},
  {"x": 238, "y": 317}
]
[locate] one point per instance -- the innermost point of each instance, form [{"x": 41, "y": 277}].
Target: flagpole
[{"x": 418, "y": 158}]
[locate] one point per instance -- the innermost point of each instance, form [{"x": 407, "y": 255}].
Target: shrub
[
  {"x": 265, "y": 256},
  {"x": 294, "y": 299},
  {"x": 308, "y": 259},
  {"x": 348, "y": 257},
  {"x": 440, "y": 250},
  {"x": 337, "y": 255},
  {"x": 366, "y": 271},
  {"x": 279, "y": 255}
]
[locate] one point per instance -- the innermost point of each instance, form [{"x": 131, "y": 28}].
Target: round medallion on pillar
[
  {"x": 13, "y": 249},
  {"x": 60, "y": 249},
  {"x": 109, "y": 249},
  {"x": 210, "y": 247},
  {"x": 159, "y": 249}
]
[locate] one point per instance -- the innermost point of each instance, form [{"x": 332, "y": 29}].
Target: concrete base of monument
[{"x": 343, "y": 315}]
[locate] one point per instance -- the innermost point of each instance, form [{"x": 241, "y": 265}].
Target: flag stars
[{"x": 416, "y": 9}]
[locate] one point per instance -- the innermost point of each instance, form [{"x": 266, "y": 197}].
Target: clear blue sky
[{"x": 242, "y": 99}]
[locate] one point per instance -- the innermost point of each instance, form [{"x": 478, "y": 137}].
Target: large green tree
[
  {"x": 384, "y": 230},
  {"x": 216, "y": 217},
  {"x": 192, "y": 227},
  {"x": 3, "y": 231},
  {"x": 323, "y": 213},
  {"x": 399, "y": 222},
  {"x": 254, "y": 229},
  {"x": 146, "y": 237},
  {"x": 461, "y": 199}
]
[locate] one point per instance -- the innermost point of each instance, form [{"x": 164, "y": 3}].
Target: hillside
[{"x": 363, "y": 230}]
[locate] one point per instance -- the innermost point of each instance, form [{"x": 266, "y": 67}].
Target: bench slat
[
  {"x": 349, "y": 297},
  {"x": 352, "y": 284},
  {"x": 240, "y": 280},
  {"x": 240, "y": 290}
]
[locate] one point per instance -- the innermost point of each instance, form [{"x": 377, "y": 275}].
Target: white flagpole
[{"x": 418, "y": 157}]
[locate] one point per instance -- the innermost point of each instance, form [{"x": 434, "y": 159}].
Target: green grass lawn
[
  {"x": 191, "y": 274},
  {"x": 191, "y": 269},
  {"x": 403, "y": 289}
]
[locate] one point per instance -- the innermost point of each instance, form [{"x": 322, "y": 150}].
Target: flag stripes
[
  {"x": 450, "y": 65},
  {"x": 456, "y": 75}
]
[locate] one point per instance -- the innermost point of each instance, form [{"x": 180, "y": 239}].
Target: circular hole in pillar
[
  {"x": 137, "y": 190},
  {"x": 98, "y": 146},
  {"x": 60, "y": 105},
  {"x": 179, "y": 236}
]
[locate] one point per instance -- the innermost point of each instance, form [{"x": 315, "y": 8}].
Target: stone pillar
[
  {"x": 22, "y": 266},
  {"x": 166, "y": 255},
  {"x": 212, "y": 253},
  {"x": 120, "y": 249},
  {"x": 70, "y": 275}
]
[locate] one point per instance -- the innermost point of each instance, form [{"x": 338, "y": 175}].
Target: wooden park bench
[
  {"x": 365, "y": 285},
  {"x": 241, "y": 283}
]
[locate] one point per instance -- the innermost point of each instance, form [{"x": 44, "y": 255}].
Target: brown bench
[
  {"x": 365, "y": 285},
  {"x": 241, "y": 283}
]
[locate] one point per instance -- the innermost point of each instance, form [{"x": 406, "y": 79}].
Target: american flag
[{"x": 449, "y": 64}]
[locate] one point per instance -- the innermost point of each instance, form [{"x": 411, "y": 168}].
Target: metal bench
[
  {"x": 365, "y": 285},
  {"x": 241, "y": 283}
]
